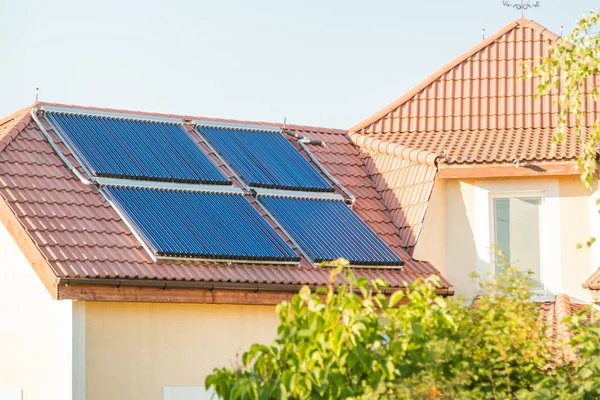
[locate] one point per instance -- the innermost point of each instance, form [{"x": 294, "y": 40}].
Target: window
[
  {"x": 517, "y": 234},
  {"x": 522, "y": 218}
]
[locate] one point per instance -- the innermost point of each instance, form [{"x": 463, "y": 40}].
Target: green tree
[
  {"x": 572, "y": 70},
  {"x": 359, "y": 341}
]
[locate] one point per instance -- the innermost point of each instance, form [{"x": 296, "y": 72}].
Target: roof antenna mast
[
  {"x": 37, "y": 93},
  {"x": 523, "y": 5}
]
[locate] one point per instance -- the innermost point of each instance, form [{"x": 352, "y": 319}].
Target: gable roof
[
  {"x": 476, "y": 109},
  {"x": 473, "y": 112},
  {"x": 82, "y": 239}
]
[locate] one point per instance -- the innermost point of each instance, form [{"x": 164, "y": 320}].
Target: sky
[{"x": 327, "y": 63}]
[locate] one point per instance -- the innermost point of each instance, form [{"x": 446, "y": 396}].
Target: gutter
[{"x": 210, "y": 286}]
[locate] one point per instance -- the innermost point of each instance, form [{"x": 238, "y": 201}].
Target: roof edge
[
  {"x": 133, "y": 290},
  {"x": 186, "y": 117},
  {"x": 437, "y": 74},
  {"x": 394, "y": 149},
  {"x": 17, "y": 122}
]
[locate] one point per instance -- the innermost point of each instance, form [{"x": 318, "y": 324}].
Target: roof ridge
[
  {"x": 394, "y": 149},
  {"x": 522, "y": 21},
  {"x": 309, "y": 128}
]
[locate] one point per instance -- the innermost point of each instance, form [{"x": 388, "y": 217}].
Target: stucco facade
[
  {"x": 57, "y": 350},
  {"x": 456, "y": 230},
  {"x": 134, "y": 350},
  {"x": 36, "y": 332}
]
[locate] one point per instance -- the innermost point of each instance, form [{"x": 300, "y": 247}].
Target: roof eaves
[
  {"x": 394, "y": 149},
  {"x": 429, "y": 80}
]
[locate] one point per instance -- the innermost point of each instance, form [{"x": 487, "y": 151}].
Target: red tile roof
[
  {"x": 81, "y": 236},
  {"x": 593, "y": 283},
  {"x": 404, "y": 178},
  {"x": 554, "y": 313},
  {"x": 476, "y": 109}
]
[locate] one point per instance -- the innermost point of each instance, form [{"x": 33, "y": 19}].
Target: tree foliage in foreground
[
  {"x": 574, "y": 67},
  {"x": 357, "y": 341}
]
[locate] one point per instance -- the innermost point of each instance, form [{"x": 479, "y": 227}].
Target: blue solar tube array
[
  {"x": 207, "y": 225},
  {"x": 136, "y": 149},
  {"x": 329, "y": 229},
  {"x": 265, "y": 159}
]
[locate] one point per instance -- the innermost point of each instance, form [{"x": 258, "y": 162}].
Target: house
[
  {"x": 110, "y": 276},
  {"x": 109, "y": 297},
  {"x": 464, "y": 160}
]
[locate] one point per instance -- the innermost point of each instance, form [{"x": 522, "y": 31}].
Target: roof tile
[
  {"x": 477, "y": 109},
  {"x": 82, "y": 236}
]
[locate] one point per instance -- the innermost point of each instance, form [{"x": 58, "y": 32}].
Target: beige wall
[
  {"x": 460, "y": 228},
  {"x": 132, "y": 350},
  {"x": 431, "y": 244},
  {"x": 35, "y": 331},
  {"x": 576, "y": 227},
  {"x": 453, "y": 212}
]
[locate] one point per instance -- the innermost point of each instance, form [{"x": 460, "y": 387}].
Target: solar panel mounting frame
[
  {"x": 196, "y": 124},
  {"x": 133, "y": 117},
  {"x": 101, "y": 182},
  {"x": 311, "y": 260},
  {"x": 155, "y": 257}
]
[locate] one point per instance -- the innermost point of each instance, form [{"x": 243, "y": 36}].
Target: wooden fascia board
[
  {"x": 30, "y": 250},
  {"x": 151, "y": 291},
  {"x": 170, "y": 295},
  {"x": 538, "y": 169}
]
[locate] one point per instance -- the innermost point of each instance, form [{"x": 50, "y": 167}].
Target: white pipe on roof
[
  {"x": 303, "y": 141},
  {"x": 54, "y": 146}
]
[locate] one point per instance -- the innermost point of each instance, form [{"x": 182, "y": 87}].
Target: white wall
[
  {"x": 571, "y": 218},
  {"x": 35, "y": 330}
]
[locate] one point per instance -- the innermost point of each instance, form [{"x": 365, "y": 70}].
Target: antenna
[
  {"x": 523, "y": 5},
  {"x": 483, "y": 34},
  {"x": 37, "y": 93},
  {"x": 561, "y": 30}
]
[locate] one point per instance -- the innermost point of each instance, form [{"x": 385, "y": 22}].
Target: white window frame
[
  {"x": 494, "y": 241},
  {"x": 550, "y": 247}
]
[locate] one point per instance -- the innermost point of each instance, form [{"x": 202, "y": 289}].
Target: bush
[{"x": 359, "y": 341}]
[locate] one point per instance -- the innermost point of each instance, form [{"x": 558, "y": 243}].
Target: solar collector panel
[
  {"x": 207, "y": 225},
  {"x": 328, "y": 229},
  {"x": 265, "y": 159},
  {"x": 136, "y": 149}
]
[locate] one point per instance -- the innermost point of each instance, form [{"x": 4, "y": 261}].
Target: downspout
[
  {"x": 303, "y": 141},
  {"x": 64, "y": 159}
]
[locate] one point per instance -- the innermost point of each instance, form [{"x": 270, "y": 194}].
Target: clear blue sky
[{"x": 319, "y": 62}]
